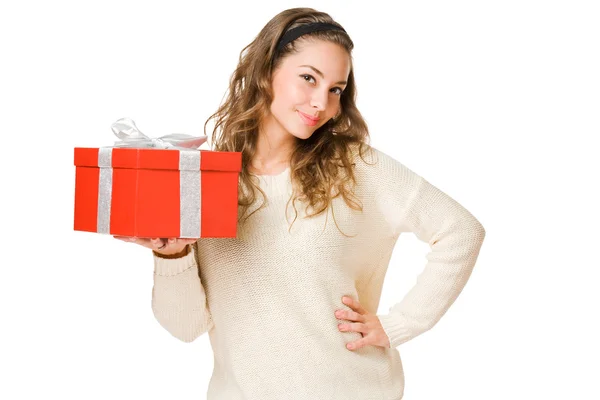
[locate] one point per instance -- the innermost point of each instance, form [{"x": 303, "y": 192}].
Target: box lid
[{"x": 151, "y": 158}]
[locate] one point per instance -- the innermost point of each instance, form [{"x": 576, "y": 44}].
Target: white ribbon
[{"x": 131, "y": 136}]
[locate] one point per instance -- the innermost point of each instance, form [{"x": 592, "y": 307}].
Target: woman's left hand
[{"x": 366, "y": 323}]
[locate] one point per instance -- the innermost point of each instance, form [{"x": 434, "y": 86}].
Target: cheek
[{"x": 294, "y": 94}]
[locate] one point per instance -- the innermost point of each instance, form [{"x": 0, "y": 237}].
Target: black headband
[{"x": 298, "y": 31}]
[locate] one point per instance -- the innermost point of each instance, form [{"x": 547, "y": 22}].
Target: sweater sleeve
[
  {"x": 454, "y": 236},
  {"x": 178, "y": 297}
]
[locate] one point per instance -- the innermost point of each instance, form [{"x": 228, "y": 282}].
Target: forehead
[{"x": 330, "y": 58}]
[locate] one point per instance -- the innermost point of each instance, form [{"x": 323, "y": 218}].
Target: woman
[{"x": 290, "y": 304}]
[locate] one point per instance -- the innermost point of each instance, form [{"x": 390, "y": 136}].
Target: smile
[{"x": 307, "y": 120}]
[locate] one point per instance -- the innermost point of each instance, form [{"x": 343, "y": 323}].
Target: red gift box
[{"x": 149, "y": 192}]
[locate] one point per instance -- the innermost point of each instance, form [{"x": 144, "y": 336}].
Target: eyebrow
[{"x": 321, "y": 74}]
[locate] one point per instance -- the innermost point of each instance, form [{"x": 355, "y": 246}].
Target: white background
[{"x": 495, "y": 103}]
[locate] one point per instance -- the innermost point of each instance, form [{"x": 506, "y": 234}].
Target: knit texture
[{"x": 267, "y": 298}]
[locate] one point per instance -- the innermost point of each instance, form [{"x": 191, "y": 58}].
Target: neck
[{"x": 274, "y": 147}]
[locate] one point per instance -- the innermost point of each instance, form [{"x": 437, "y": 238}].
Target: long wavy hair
[{"x": 321, "y": 166}]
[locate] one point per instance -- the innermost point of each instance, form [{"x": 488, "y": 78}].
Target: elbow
[
  {"x": 187, "y": 335},
  {"x": 480, "y": 231},
  {"x": 186, "y": 330},
  {"x": 477, "y": 229},
  {"x": 186, "y": 339},
  {"x": 476, "y": 242},
  {"x": 196, "y": 331}
]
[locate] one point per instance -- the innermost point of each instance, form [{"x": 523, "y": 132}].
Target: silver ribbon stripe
[{"x": 190, "y": 194}]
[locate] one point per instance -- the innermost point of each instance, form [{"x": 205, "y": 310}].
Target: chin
[
  {"x": 302, "y": 135},
  {"x": 300, "y": 132}
]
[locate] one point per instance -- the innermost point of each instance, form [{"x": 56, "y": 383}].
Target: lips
[
  {"x": 308, "y": 120},
  {"x": 309, "y": 117}
]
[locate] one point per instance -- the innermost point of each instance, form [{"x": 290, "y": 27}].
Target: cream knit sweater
[{"x": 267, "y": 298}]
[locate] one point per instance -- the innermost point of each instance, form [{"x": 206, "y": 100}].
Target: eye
[
  {"x": 307, "y": 76},
  {"x": 338, "y": 92}
]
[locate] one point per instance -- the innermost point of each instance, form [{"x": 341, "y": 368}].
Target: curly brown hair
[{"x": 318, "y": 164}]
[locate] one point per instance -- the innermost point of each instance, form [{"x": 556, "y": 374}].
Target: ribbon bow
[{"x": 131, "y": 136}]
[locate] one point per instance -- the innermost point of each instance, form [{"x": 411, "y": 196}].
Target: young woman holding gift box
[{"x": 290, "y": 305}]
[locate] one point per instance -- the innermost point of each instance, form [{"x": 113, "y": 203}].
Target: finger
[
  {"x": 357, "y": 344},
  {"x": 126, "y": 238},
  {"x": 158, "y": 243},
  {"x": 130, "y": 239},
  {"x": 353, "y": 327},
  {"x": 353, "y": 316},
  {"x": 355, "y": 305},
  {"x": 123, "y": 238}
]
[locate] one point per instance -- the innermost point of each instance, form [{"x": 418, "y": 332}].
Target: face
[{"x": 307, "y": 88}]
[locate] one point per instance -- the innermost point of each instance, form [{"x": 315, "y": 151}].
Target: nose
[{"x": 319, "y": 100}]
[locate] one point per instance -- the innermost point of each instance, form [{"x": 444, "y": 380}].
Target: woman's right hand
[{"x": 160, "y": 245}]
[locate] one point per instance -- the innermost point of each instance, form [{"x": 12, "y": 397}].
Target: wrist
[{"x": 186, "y": 250}]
